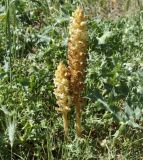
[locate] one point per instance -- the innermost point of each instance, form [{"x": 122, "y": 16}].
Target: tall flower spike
[
  {"x": 61, "y": 92},
  {"x": 77, "y": 54}
]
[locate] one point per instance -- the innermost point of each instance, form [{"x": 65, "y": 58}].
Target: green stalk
[
  {"x": 14, "y": 27},
  {"x": 140, "y": 28},
  {"x": 8, "y": 38}
]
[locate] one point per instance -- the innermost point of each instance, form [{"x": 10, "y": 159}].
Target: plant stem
[
  {"x": 8, "y": 36},
  {"x": 65, "y": 122},
  {"x": 11, "y": 153},
  {"x": 78, "y": 118}
]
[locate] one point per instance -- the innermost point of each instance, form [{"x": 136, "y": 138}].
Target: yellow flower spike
[
  {"x": 61, "y": 92},
  {"x": 77, "y": 54}
]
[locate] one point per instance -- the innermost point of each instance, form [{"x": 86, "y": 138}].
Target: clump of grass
[
  {"x": 11, "y": 127},
  {"x": 77, "y": 54},
  {"x": 11, "y": 123},
  {"x": 61, "y": 92}
]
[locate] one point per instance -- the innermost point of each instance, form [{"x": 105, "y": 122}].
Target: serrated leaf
[
  {"x": 134, "y": 124},
  {"x": 128, "y": 110},
  {"x": 138, "y": 113},
  {"x": 104, "y": 37}
]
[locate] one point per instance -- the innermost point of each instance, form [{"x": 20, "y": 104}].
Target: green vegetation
[{"x": 34, "y": 36}]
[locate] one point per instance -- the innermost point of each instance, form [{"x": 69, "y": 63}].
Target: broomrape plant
[
  {"x": 61, "y": 92},
  {"x": 77, "y": 48}
]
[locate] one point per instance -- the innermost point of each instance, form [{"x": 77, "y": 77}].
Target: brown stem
[
  {"x": 78, "y": 118},
  {"x": 65, "y": 122}
]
